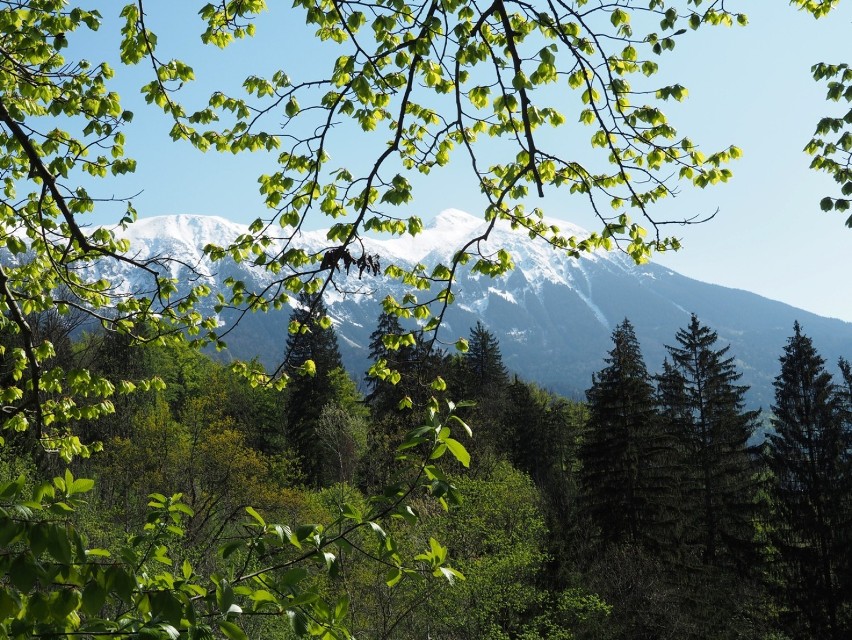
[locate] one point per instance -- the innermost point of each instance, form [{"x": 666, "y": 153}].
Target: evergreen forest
[{"x": 659, "y": 507}]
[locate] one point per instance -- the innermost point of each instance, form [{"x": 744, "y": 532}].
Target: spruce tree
[
  {"x": 716, "y": 436},
  {"x": 625, "y": 483},
  {"x": 307, "y": 395},
  {"x": 809, "y": 456},
  {"x": 523, "y": 433},
  {"x": 385, "y": 394},
  {"x": 483, "y": 362},
  {"x": 674, "y": 413},
  {"x": 481, "y": 376}
]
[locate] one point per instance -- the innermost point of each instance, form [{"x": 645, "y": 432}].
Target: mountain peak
[
  {"x": 456, "y": 219},
  {"x": 195, "y": 230},
  {"x": 446, "y": 232}
]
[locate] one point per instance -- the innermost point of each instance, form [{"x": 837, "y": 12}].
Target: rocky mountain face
[{"x": 553, "y": 315}]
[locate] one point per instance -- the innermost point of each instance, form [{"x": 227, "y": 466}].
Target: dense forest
[
  {"x": 148, "y": 491},
  {"x": 654, "y": 509}
]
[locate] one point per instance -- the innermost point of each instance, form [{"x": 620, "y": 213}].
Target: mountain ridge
[{"x": 552, "y": 314}]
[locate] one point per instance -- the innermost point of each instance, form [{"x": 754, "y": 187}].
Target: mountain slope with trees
[
  {"x": 553, "y": 317},
  {"x": 161, "y": 541}
]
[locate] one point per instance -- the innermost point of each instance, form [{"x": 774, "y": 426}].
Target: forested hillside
[
  {"x": 148, "y": 492},
  {"x": 643, "y": 512}
]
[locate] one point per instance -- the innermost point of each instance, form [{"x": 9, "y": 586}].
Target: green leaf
[
  {"x": 341, "y": 608},
  {"x": 82, "y": 485},
  {"x": 293, "y": 577},
  {"x": 11, "y": 489},
  {"x": 224, "y": 596},
  {"x": 450, "y": 574},
  {"x": 10, "y": 605},
  {"x": 298, "y": 622},
  {"x": 64, "y": 602},
  {"x": 393, "y": 576},
  {"x": 58, "y": 543},
  {"x": 22, "y": 572},
  {"x": 458, "y": 450},
  {"x": 94, "y": 597},
  {"x": 460, "y": 422},
  {"x": 254, "y": 514},
  {"x": 232, "y": 631},
  {"x": 227, "y": 549},
  {"x": 350, "y": 512}
]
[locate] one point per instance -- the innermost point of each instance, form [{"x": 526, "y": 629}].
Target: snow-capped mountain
[{"x": 553, "y": 315}]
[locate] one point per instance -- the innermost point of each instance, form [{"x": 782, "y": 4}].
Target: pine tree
[
  {"x": 625, "y": 482},
  {"x": 523, "y": 434},
  {"x": 307, "y": 395},
  {"x": 396, "y": 402},
  {"x": 809, "y": 456},
  {"x": 716, "y": 437},
  {"x": 483, "y": 362}
]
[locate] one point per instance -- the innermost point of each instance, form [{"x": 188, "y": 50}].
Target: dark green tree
[
  {"x": 314, "y": 341},
  {"x": 675, "y": 417},
  {"x": 530, "y": 431},
  {"x": 809, "y": 456},
  {"x": 716, "y": 443},
  {"x": 394, "y": 363},
  {"x": 479, "y": 375},
  {"x": 625, "y": 484},
  {"x": 483, "y": 362}
]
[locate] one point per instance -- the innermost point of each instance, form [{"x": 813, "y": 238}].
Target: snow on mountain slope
[
  {"x": 184, "y": 236},
  {"x": 447, "y": 232},
  {"x": 552, "y": 314}
]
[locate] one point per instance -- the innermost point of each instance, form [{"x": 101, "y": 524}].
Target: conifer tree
[
  {"x": 481, "y": 376},
  {"x": 522, "y": 434},
  {"x": 386, "y": 394},
  {"x": 809, "y": 455},
  {"x": 716, "y": 436},
  {"x": 483, "y": 361},
  {"x": 307, "y": 395},
  {"x": 674, "y": 414},
  {"x": 624, "y": 483}
]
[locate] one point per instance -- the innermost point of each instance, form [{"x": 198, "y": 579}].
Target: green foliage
[
  {"x": 716, "y": 442},
  {"x": 500, "y": 533},
  {"x": 809, "y": 457},
  {"x": 831, "y": 146},
  {"x": 393, "y": 352},
  {"x": 415, "y": 85},
  {"x": 56, "y": 584},
  {"x": 62, "y": 130},
  {"x": 314, "y": 359},
  {"x": 631, "y": 467}
]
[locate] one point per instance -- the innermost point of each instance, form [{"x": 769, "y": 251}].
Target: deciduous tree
[{"x": 422, "y": 84}]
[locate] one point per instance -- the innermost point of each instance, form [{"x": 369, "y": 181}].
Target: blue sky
[{"x": 748, "y": 86}]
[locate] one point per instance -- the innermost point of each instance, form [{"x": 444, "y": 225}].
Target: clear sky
[{"x": 747, "y": 86}]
